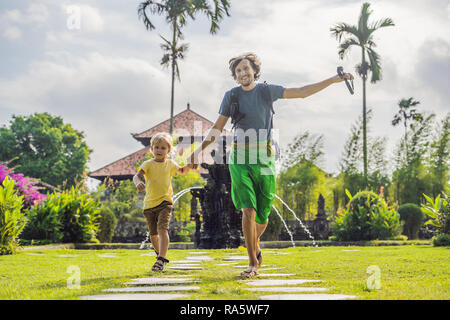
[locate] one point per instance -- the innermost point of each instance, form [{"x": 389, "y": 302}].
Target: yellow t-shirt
[{"x": 158, "y": 181}]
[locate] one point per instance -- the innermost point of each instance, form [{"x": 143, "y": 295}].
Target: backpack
[{"x": 237, "y": 116}]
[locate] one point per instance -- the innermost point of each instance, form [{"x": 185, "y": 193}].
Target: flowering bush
[{"x": 25, "y": 186}]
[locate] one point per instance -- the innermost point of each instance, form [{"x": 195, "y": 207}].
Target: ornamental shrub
[
  {"x": 69, "y": 216},
  {"x": 366, "y": 217},
  {"x": 12, "y": 219},
  {"x": 107, "y": 226},
  {"x": 25, "y": 186},
  {"x": 413, "y": 217},
  {"x": 44, "y": 221},
  {"x": 442, "y": 240},
  {"x": 438, "y": 210}
]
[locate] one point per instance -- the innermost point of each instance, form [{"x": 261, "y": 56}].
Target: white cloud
[
  {"x": 12, "y": 33},
  {"x": 37, "y": 13}
]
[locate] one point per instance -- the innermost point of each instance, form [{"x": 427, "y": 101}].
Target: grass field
[{"x": 407, "y": 272}]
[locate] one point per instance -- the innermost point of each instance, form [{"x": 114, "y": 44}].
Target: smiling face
[
  {"x": 160, "y": 150},
  {"x": 245, "y": 75}
]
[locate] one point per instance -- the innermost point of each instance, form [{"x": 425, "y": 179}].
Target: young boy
[{"x": 158, "y": 202}]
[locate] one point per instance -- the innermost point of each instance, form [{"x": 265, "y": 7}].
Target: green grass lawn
[{"x": 407, "y": 272}]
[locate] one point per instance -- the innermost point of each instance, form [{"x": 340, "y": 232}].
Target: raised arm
[
  {"x": 306, "y": 91},
  {"x": 212, "y": 135}
]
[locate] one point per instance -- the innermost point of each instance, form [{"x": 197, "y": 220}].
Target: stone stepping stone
[
  {"x": 186, "y": 261},
  {"x": 275, "y": 274},
  {"x": 200, "y": 258},
  {"x": 236, "y": 258},
  {"x": 68, "y": 255},
  {"x": 33, "y": 253},
  {"x": 185, "y": 264},
  {"x": 198, "y": 252},
  {"x": 279, "y": 282},
  {"x": 267, "y": 269},
  {"x": 107, "y": 255},
  {"x": 136, "y": 296},
  {"x": 226, "y": 264},
  {"x": 288, "y": 289},
  {"x": 281, "y": 253},
  {"x": 153, "y": 289},
  {"x": 349, "y": 250},
  {"x": 160, "y": 281},
  {"x": 313, "y": 296},
  {"x": 184, "y": 268},
  {"x": 152, "y": 254}
]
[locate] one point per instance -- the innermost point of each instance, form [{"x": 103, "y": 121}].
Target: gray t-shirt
[{"x": 252, "y": 104}]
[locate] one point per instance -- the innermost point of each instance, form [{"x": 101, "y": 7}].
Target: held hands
[
  {"x": 140, "y": 186},
  {"x": 192, "y": 162}
]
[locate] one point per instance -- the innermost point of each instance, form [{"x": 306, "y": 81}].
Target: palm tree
[
  {"x": 177, "y": 13},
  {"x": 362, "y": 36},
  {"x": 405, "y": 116}
]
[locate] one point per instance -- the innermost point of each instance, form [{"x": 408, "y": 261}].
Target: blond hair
[
  {"x": 162, "y": 137},
  {"x": 252, "y": 58}
]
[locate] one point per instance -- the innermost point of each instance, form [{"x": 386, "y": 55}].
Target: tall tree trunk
[{"x": 364, "y": 118}]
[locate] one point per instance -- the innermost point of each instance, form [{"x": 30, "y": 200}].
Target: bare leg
[
  {"x": 249, "y": 230},
  {"x": 154, "y": 239},
  {"x": 163, "y": 242},
  {"x": 260, "y": 228}
]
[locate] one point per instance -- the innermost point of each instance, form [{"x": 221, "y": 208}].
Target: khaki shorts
[{"x": 158, "y": 217}]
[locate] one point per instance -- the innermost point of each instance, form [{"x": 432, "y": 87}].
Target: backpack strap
[
  {"x": 236, "y": 116},
  {"x": 268, "y": 97}
]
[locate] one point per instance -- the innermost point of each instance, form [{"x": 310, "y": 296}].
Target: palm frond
[
  {"x": 387, "y": 22},
  {"x": 342, "y": 28},
  {"x": 363, "y": 18},
  {"x": 153, "y": 8},
  {"x": 375, "y": 67},
  {"x": 345, "y": 45}
]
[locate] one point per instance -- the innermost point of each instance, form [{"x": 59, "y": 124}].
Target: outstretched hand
[{"x": 347, "y": 76}]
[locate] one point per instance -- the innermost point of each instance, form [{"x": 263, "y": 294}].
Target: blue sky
[{"x": 105, "y": 79}]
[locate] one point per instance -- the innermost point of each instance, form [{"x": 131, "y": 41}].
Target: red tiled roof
[{"x": 183, "y": 125}]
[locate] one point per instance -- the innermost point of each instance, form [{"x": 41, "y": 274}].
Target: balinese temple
[{"x": 188, "y": 126}]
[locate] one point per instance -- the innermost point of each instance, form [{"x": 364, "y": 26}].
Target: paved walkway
[{"x": 267, "y": 284}]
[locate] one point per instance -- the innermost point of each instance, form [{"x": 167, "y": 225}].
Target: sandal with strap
[
  {"x": 159, "y": 264},
  {"x": 249, "y": 274}
]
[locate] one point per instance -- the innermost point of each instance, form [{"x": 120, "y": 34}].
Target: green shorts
[{"x": 253, "y": 181}]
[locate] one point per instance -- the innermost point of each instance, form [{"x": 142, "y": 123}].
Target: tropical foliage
[
  {"x": 12, "y": 219},
  {"x": 69, "y": 216},
  {"x": 366, "y": 217}
]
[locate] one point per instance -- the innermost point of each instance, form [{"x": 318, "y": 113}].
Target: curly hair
[{"x": 252, "y": 58}]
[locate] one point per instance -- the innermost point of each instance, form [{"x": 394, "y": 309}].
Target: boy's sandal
[{"x": 159, "y": 264}]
